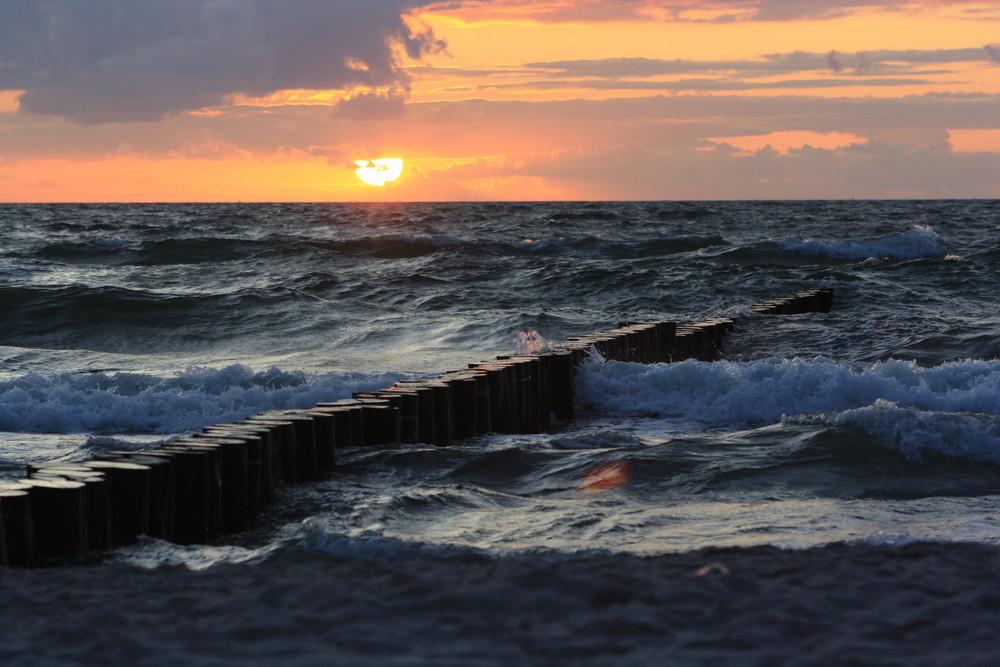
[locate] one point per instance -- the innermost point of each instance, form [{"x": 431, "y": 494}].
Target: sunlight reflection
[{"x": 606, "y": 477}]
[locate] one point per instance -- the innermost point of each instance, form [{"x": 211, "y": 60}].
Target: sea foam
[
  {"x": 917, "y": 433},
  {"x": 738, "y": 394},
  {"x": 186, "y": 401},
  {"x": 952, "y": 409}
]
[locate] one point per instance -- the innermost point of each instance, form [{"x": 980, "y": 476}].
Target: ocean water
[{"x": 877, "y": 423}]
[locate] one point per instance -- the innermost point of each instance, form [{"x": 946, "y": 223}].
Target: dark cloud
[
  {"x": 120, "y": 60},
  {"x": 719, "y": 11},
  {"x": 372, "y": 106},
  {"x": 445, "y": 72},
  {"x": 793, "y": 10},
  {"x": 833, "y": 62},
  {"x": 862, "y": 62},
  {"x": 708, "y": 85},
  {"x": 611, "y": 68}
]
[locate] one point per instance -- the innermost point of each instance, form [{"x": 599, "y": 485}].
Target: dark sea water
[
  {"x": 828, "y": 492},
  {"x": 823, "y": 452},
  {"x": 127, "y": 325}
]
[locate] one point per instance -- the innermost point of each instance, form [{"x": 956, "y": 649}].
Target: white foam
[
  {"x": 185, "y": 401},
  {"x": 747, "y": 393},
  {"x": 921, "y": 242},
  {"x": 917, "y": 433},
  {"x": 952, "y": 409}
]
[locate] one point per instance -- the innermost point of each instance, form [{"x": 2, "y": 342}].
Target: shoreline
[{"x": 922, "y": 603}]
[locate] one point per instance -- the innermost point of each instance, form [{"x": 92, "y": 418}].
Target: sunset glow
[
  {"x": 509, "y": 99},
  {"x": 379, "y": 172}
]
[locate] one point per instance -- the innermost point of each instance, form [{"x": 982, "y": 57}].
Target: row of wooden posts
[{"x": 199, "y": 487}]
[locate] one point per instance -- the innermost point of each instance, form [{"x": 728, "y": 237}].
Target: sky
[{"x": 276, "y": 100}]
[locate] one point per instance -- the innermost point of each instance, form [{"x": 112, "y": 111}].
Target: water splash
[{"x": 531, "y": 342}]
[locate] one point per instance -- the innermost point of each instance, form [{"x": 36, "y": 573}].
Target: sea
[
  {"x": 826, "y": 491},
  {"x": 128, "y": 325}
]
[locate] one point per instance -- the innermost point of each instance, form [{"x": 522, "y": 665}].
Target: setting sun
[{"x": 379, "y": 172}]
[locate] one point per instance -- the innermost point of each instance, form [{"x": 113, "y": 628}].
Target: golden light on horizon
[{"x": 379, "y": 172}]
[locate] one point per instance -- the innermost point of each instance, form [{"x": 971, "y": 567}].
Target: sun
[{"x": 379, "y": 172}]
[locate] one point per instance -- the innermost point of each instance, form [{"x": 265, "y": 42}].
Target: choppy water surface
[{"x": 126, "y": 325}]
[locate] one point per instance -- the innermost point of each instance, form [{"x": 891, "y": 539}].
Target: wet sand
[{"x": 932, "y": 604}]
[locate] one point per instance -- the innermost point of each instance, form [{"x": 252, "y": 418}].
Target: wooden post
[
  {"x": 665, "y": 332},
  {"x": 233, "y": 480},
  {"x": 323, "y": 427},
  {"x": 484, "y": 415},
  {"x": 500, "y": 379},
  {"x": 382, "y": 421},
  {"x": 190, "y": 523},
  {"x": 194, "y": 475},
  {"x": 344, "y": 417},
  {"x": 443, "y": 421},
  {"x": 255, "y": 456},
  {"x": 562, "y": 372},
  {"x": 409, "y": 411},
  {"x": 98, "y": 499},
  {"x": 130, "y": 485},
  {"x": 283, "y": 436},
  {"x": 59, "y": 514},
  {"x": 19, "y": 530},
  {"x": 270, "y": 474},
  {"x": 305, "y": 461},
  {"x": 466, "y": 401}
]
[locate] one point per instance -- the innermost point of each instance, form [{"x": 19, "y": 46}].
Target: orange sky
[{"x": 226, "y": 100}]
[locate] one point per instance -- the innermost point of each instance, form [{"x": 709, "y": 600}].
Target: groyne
[{"x": 197, "y": 488}]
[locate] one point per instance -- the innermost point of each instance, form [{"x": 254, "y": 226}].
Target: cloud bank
[
  {"x": 121, "y": 60},
  {"x": 694, "y": 11},
  {"x": 862, "y": 62}
]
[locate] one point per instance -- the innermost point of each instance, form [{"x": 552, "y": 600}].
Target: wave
[
  {"x": 670, "y": 214},
  {"x": 392, "y": 246},
  {"x": 951, "y": 409},
  {"x": 117, "y": 250},
  {"x": 591, "y": 247},
  {"x": 921, "y": 242},
  {"x": 185, "y": 401},
  {"x": 596, "y": 214},
  {"x": 918, "y": 433},
  {"x": 93, "y": 316}
]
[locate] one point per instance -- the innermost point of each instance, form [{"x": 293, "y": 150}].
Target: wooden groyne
[{"x": 196, "y": 488}]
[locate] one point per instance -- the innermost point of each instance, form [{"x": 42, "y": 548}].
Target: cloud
[
  {"x": 372, "y": 106},
  {"x": 549, "y": 11},
  {"x": 794, "y": 10},
  {"x": 707, "y": 85},
  {"x": 872, "y": 169},
  {"x": 770, "y": 64},
  {"x": 694, "y": 11},
  {"x": 657, "y": 147},
  {"x": 486, "y": 128},
  {"x": 121, "y": 60}
]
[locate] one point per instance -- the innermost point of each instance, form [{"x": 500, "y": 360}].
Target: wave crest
[
  {"x": 921, "y": 242},
  {"x": 185, "y": 401},
  {"x": 738, "y": 394}
]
